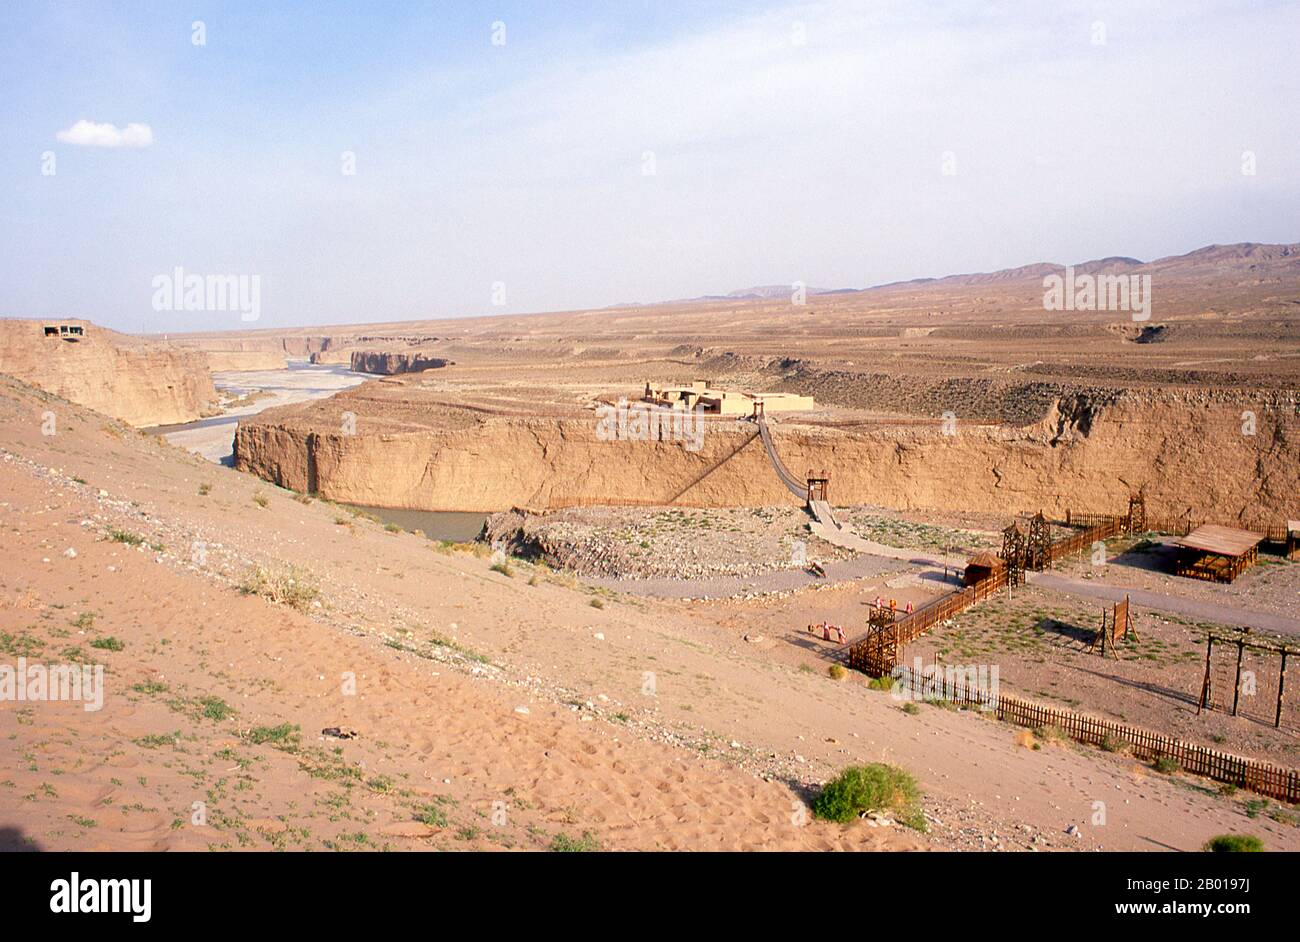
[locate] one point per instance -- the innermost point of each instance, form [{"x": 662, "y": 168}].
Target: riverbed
[{"x": 214, "y": 437}]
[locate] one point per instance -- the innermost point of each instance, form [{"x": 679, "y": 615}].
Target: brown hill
[{"x": 138, "y": 381}]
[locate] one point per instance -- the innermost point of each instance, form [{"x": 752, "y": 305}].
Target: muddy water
[{"x": 454, "y": 525}]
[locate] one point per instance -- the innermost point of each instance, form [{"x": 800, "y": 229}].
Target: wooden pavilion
[{"x": 1216, "y": 553}]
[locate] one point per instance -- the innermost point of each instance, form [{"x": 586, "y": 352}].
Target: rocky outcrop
[
  {"x": 140, "y": 382},
  {"x": 1189, "y": 450},
  {"x": 331, "y": 357},
  {"x": 390, "y": 364}
]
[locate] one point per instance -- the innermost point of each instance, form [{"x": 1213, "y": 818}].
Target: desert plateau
[
  {"x": 802, "y": 442},
  {"x": 620, "y": 653}
]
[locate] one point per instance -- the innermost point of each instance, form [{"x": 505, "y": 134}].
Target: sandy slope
[{"x": 633, "y": 769}]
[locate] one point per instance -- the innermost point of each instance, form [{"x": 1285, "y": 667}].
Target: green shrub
[
  {"x": 108, "y": 644},
  {"x": 836, "y": 672},
  {"x": 1234, "y": 844},
  {"x": 292, "y": 588},
  {"x": 431, "y": 815},
  {"x": 565, "y": 844},
  {"x": 214, "y": 708},
  {"x": 911, "y": 708},
  {"x": 1111, "y": 743},
  {"x": 885, "y": 683},
  {"x": 125, "y": 536},
  {"x": 1167, "y": 765},
  {"x": 283, "y": 736},
  {"x": 875, "y": 787}
]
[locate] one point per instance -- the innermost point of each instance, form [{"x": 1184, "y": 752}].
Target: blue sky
[{"x": 789, "y": 142}]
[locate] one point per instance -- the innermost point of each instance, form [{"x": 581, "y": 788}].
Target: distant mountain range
[{"x": 1206, "y": 260}]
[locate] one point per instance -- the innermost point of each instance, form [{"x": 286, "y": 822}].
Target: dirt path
[
  {"x": 721, "y": 587},
  {"x": 1194, "y": 608},
  {"x": 1198, "y": 609}
]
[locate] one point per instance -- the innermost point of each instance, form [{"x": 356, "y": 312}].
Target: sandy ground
[
  {"x": 1270, "y": 588},
  {"x": 648, "y": 723},
  {"x": 213, "y": 438}
]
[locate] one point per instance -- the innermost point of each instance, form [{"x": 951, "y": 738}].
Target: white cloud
[{"x": 91, "y": 134}]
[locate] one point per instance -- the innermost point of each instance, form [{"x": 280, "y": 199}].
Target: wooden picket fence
[
  {"x": 1253, "y": 775},
  {"x": 1274, "y": 531}
]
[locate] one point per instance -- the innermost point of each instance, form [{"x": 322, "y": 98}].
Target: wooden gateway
[{"x": 819, "y": 483}]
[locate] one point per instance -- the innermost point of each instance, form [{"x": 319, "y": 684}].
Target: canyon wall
[
  {"x": 140, "y": 382},
  {"x": 256, "y": 351},
  {"x": 390, "y": 364},
  {"x": 1190, "y": 451}
]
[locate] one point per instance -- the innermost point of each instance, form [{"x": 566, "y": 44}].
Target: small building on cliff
[{"x": 715, "y": 400}]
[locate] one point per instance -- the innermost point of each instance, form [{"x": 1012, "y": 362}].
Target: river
[{"x": 214, "y": 437}]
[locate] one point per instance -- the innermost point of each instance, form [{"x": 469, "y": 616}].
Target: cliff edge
[{"x": 140, "y": 382}]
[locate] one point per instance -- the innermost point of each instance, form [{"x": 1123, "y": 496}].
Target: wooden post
[
  {"x": 1281, "y": 686},
  {"x": 1236, "y": 693},
  {"x": 1205, "y": 684}
]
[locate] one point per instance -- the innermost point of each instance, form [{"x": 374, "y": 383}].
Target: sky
[{"x": 520, "y": 157}]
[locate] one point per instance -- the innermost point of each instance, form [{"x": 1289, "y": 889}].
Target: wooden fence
[
  {"x": 1274, "y": 531},
  {"x": 1251, "y": 774},
  {"x": 1102, "y": 527},
  {"x": 1087, "y": 520},
  {"x": 865, "y": 653}
]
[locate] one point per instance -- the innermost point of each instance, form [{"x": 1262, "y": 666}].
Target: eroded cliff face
[
  {"x": 1189, "y": 452},
  {"x": 391, "y": 364},
  {"x": 140, "y": 382},
  {"x": 256, "y": 351}
]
